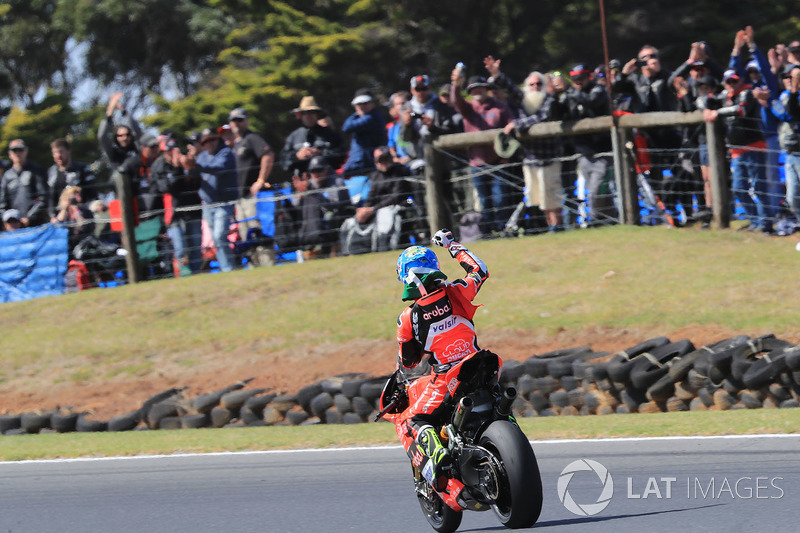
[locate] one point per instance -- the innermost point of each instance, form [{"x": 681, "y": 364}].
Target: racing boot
[{"x": 439, "y": 459}]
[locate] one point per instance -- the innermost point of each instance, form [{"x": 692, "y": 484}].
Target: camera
[
  {"x": 416, "y": 115},
  {"x": 641, "y": 62}
]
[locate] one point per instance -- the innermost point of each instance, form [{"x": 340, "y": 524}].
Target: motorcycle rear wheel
[
  {"x": 438, "y": 514},
  {"x": 514, "y": 477}
]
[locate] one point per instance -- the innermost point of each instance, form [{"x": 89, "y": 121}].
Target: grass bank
[{"x": 49, "y": 446}]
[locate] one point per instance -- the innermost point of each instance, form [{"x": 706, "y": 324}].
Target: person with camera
[
  {"x": 646, "y": 79},
  {"x": 482, "y": 113},
  {"x": 313, "y": 138},
  {"x": 183, "y": 217},
  {"x": 74, "y": 214},
  {"x": 424, "y": 118},
  {"x": 741, "y": 114}
]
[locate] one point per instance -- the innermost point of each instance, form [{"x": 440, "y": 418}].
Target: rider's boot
[{"x": 439, "y": 459}]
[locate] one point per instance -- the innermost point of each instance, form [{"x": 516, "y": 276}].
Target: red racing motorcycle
[{"x": 494, "y": 466}]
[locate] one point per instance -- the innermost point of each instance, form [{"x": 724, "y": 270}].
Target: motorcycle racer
[{"x": 438, "y": 324}]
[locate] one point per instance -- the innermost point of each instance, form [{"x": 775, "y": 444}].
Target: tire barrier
[{"x": 657, "y": 375}]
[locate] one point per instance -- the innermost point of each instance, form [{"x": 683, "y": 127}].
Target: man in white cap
[
  {"x": 11, "y": 220},
  {"x": 24, "y": 187},
  {"x": 367, "y": 129}
]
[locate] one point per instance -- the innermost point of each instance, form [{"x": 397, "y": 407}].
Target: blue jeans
[
  {"x": 749, "y": 172},
  {"x": 792, "y": 169},
  {"x": 219, "y": 223},
  {"x": 494, "y": 193},
  {"x": 187, "y": 240}
]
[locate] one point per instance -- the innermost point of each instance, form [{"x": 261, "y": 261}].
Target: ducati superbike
[{"x": 493, "y": 465}]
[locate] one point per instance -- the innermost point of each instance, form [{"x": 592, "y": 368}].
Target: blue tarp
[{"x": 33, "y": 262}]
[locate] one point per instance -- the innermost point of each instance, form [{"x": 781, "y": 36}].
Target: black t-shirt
[{"x": 248, "y": 151}]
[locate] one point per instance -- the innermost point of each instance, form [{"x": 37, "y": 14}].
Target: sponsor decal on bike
[
  {"x": 453, "y": 385},
  {"x": 416, "y": 460}
]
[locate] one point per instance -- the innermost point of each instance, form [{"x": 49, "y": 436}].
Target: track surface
[{"x": 368, "y": 490}]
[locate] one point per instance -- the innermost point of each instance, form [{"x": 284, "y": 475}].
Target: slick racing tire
[
  {"x": 518, "y": 483},
  {"x": 440, "y": 517}
]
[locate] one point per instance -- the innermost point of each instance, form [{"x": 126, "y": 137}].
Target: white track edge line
[{"x": 389, "y": 447}]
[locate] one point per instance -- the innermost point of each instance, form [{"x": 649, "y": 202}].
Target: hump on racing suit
[{"x": 440, "y": 322}]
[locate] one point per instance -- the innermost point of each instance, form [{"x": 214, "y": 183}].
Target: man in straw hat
[{"x": 313, "y": 138}]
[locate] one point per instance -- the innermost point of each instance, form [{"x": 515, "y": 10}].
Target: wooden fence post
[
  {"x": 439, "y": 215},
  {"x": 625, "y": 175},
  {"x": 128, "y": 232},
  {"x": 720, "y": 192}
]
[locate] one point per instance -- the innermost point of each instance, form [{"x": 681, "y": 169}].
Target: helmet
[{"x": 416, "y": 260}]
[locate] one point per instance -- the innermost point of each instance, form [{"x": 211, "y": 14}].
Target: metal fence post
[
  {"x": 128, "y": 232},
  {"x": 720, "y": 192}
]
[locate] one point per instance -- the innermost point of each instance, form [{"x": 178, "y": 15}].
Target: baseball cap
[
  {"x": 17, "y": 144},
  {"x": 752, "y": 65},
  {"x": 317, "y": 163},
  {"x": 237, "y": 114},
  {"x": 444, "y": 89},
  {"x": 788, "y": 68},
  {"x": 224, "y": 127},
  {"x": 208, "y": 134},
  {"x": 148, "y": 140},
  {"x": 794, "y": 46},
  {"x": 362, "y": 96},
  {"x": 698, "y": 64},
  {"x": 421, "y": 80},
  {"x": 730, "y": 74},
  {"x": 475, "y": 82},
  {"x": 10, "y": 214},
  {"x": 709, "y": 80},
  {"x": 579, "y": 71}
]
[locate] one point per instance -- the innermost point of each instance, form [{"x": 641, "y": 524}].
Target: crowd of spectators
[{"x": 204, "y": 186}]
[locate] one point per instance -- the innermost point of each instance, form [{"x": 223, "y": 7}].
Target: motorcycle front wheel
[
  {"x": 513, "y": 481},
  {"x": 438, "y": 514}
]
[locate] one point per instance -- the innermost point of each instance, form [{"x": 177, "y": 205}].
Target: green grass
[
  {"x": 620, "y": 277},
  {"x": 50, "y": 446}
]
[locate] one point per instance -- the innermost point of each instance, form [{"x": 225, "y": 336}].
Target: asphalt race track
[{"x": 747, "y": 484}]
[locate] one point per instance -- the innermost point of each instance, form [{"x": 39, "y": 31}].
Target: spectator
[
  {"x": 765, "y": 86},
  {"x": 482, "y": 113},
  {"x": 654, "y": 92},
  {"x": 323, "y": 202},
  {"x": 216, "y": 165},
  {"x": 136, "y": 169},
  {"x": 695, "y": 135},
  {"x": 73, "y": 213},
  {"x": 423, "y": 119},
  {"x": 786, "y": 109},
  {"x": 742, "y": 115},
  {"x": 541, "y": 165},
  {"x": 24, "y": 187},
  {"x": 227, "y": 135},
  {"x": 66, "y": 172},
  {"x": 123, "y": 143},
  {"x": 586, "y": 99},
  {"x": 11, "y": 220},
  {"x": 367, "y": 131},
  {"x": 396, "y": 145},
  {"x": 184, "y": 218},
  {"x": 389, "y": 185},
  {"x": 444, "y": 94},
  {"x": 697, "y": 65},
  {"x": 311, "y": 139}
]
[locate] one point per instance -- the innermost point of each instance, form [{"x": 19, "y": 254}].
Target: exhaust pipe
[
  {"x": 504, "y": 405},
  {"x": 462, "y": 411}
]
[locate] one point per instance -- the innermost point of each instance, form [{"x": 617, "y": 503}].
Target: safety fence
[{"x": 641, "y": 185}]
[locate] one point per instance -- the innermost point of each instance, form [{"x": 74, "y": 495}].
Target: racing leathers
[{"x": 438, "y": 325}]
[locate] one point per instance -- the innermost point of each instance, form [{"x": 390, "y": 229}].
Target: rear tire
[
  {"x": 519, "y": 502},
  {"x": 438, "y": 514}
]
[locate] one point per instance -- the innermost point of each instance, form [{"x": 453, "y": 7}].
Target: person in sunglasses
[
  {"x": 23, "y": 187},
  {"x": 118, "y": 139},
  {"x": 648, "y": 81}
]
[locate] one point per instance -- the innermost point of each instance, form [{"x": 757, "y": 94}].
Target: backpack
[
  {"x": 288, "y": 220},
  {"x": 358, "y": 238}
]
